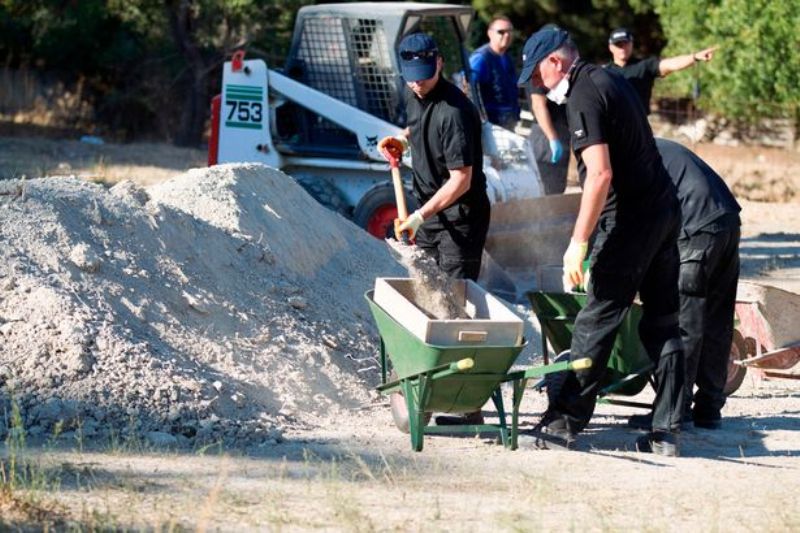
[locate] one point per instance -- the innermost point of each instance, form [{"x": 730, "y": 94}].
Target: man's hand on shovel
[
  {"x": 392, "y": 149},
  {"x": 405, "y": 227},
  {"x": 409, "y": 226}
]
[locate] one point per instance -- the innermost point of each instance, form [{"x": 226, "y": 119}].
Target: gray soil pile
[{"x": 223, "y": 305}]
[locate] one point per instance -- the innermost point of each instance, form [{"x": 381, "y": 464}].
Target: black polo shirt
[
  {"x": 642, "y": 74},
  {"x": 445, "y": 134},
  {"x": 703, "y": 195},
  {"x": 602, "y": 109}
]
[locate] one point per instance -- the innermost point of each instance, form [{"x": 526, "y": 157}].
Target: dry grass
[{"x": 108, "y": 163}]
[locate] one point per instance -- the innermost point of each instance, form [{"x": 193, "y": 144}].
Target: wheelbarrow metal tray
[
  {"x": 460, "y": 393},
  {"x": 491, "y": 323}
]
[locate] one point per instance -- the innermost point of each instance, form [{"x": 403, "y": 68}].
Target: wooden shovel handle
[{"x": 399, "y": 194}]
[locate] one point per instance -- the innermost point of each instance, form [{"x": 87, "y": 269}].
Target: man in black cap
[
  {"x": 709, "y": 273},
  {"x": 630, "y": 201},
  {"x": 444, "y": 134},
  {"x": 642, "y": 73}
]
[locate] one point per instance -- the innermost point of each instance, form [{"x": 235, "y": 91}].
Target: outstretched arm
[{"x": 673, "y": 64}]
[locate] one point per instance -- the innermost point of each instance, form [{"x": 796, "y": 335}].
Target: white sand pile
[{"x": 223, "y": 305}]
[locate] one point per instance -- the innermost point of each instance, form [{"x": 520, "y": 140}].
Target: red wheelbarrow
[{"x": 766, "y": 338}]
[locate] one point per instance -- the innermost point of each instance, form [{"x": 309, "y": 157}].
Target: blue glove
[{"x": 556, "y": 150}]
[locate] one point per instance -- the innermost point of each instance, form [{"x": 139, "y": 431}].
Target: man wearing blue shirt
[{"x": 493, "y": 72}]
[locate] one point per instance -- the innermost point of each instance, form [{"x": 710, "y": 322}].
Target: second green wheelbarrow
[{"x": 629, "y": 366}]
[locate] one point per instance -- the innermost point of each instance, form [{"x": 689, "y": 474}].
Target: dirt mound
[{"x": 222, "y": 305}]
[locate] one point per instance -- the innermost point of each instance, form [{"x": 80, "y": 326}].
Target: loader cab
[{"x": 348, "y": 51}]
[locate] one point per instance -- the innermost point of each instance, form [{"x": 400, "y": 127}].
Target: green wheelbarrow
[
  {"x": 629, "y": 367},
  {"x": 427, "y": 378}
]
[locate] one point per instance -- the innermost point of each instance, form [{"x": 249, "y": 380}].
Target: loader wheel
[
  {"x": 326, "y": 194},
  {"x": 397, "y": 402},
  {"x": 736, "y": 373},
  {"x": 377, "y": 210}
]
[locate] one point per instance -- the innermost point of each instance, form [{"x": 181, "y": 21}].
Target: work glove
[
  {"x": 556, "y": 151},
  {"x": 573, "y": 263},
  {"x": 394, "y": 146},
  {"x": 411, "y": 225}
]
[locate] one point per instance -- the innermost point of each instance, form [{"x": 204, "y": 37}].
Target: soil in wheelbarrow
[{"x": 433, "y": 289}]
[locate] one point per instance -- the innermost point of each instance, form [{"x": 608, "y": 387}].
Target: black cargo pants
[
  {"x": 709, "y": 275},
  {"x": 640, "y": 255}
]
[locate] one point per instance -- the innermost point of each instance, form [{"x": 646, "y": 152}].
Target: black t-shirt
[
  {"x": 703, "y": 194},
  {"x": 446, "y": 134},
  {"x": 642, "y": 74},
  {"x": 602, "y": 109}
]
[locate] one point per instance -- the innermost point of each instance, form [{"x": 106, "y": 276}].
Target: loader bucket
[{"x": 528, "y": 233}]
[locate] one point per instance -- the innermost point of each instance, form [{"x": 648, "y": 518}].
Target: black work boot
[
  {"x": 666, "y": 443},
  {"x": 553, "y": 432},
  {"x": 467, "y": 419}
]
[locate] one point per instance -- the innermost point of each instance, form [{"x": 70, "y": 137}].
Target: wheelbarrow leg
[
  {"x": 416, "y": 393},
  {"x": 519, "y": 390},
  {"x": 497, "y": 399}
]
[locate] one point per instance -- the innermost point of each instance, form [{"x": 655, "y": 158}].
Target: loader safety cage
[{"x": 347, "y": 51}]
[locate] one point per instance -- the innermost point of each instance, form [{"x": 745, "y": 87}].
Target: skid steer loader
[{"x": 320, "y": 118}]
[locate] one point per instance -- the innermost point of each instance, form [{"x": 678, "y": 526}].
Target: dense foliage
[
  {"x": 150, "y": 66},
  {"x": 756, "y": 73}
]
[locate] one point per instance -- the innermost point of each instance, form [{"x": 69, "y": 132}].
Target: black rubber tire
[
  {"x": 736, "y": 373},
  {"x": 326, "y": 194},
  {"x": 397, "y": 402},
  {"x": 376, "y": 197},
  {"x": 553, "y": 382}
]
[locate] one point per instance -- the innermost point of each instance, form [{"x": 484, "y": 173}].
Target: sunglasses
[
  {"x": 407, "y": 55},
  {"x": 503, "y": 32}
]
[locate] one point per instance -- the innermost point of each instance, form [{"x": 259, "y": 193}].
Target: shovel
[{"x": 399, "y": 196}]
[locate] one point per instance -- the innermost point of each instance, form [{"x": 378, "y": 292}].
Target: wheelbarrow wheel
[
  {"x": 397, "y": 403},
  {"x": 736, "y": 373},
  {"x": 553, "y": 382}
]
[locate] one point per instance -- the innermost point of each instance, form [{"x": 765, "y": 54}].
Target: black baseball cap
[
  {"x": 418, "y": 53},
  {"x": 539, "y": 45},
  {"x": 620, "y": 35}
]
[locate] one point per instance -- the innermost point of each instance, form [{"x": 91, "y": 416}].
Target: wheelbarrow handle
[
  {"x": 580, "y": 364},
  {"x": 438, "y": 372}
]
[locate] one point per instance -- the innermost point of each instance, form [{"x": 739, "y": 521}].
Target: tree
[{"x": 756, "y": 72}]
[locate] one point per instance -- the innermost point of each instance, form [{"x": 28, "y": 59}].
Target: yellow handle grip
[
  {"x": 581, "y": 364},
  {"x": 465, "y": 364}
]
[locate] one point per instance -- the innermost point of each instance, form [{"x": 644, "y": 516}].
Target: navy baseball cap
[
  {"x": 620, "y": 35},
  {"x": 418, "y": 53},
  {"x": 539, "y": 45}
]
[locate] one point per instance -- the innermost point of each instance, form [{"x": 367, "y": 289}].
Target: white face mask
[{"x": 558, "y": 94}]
